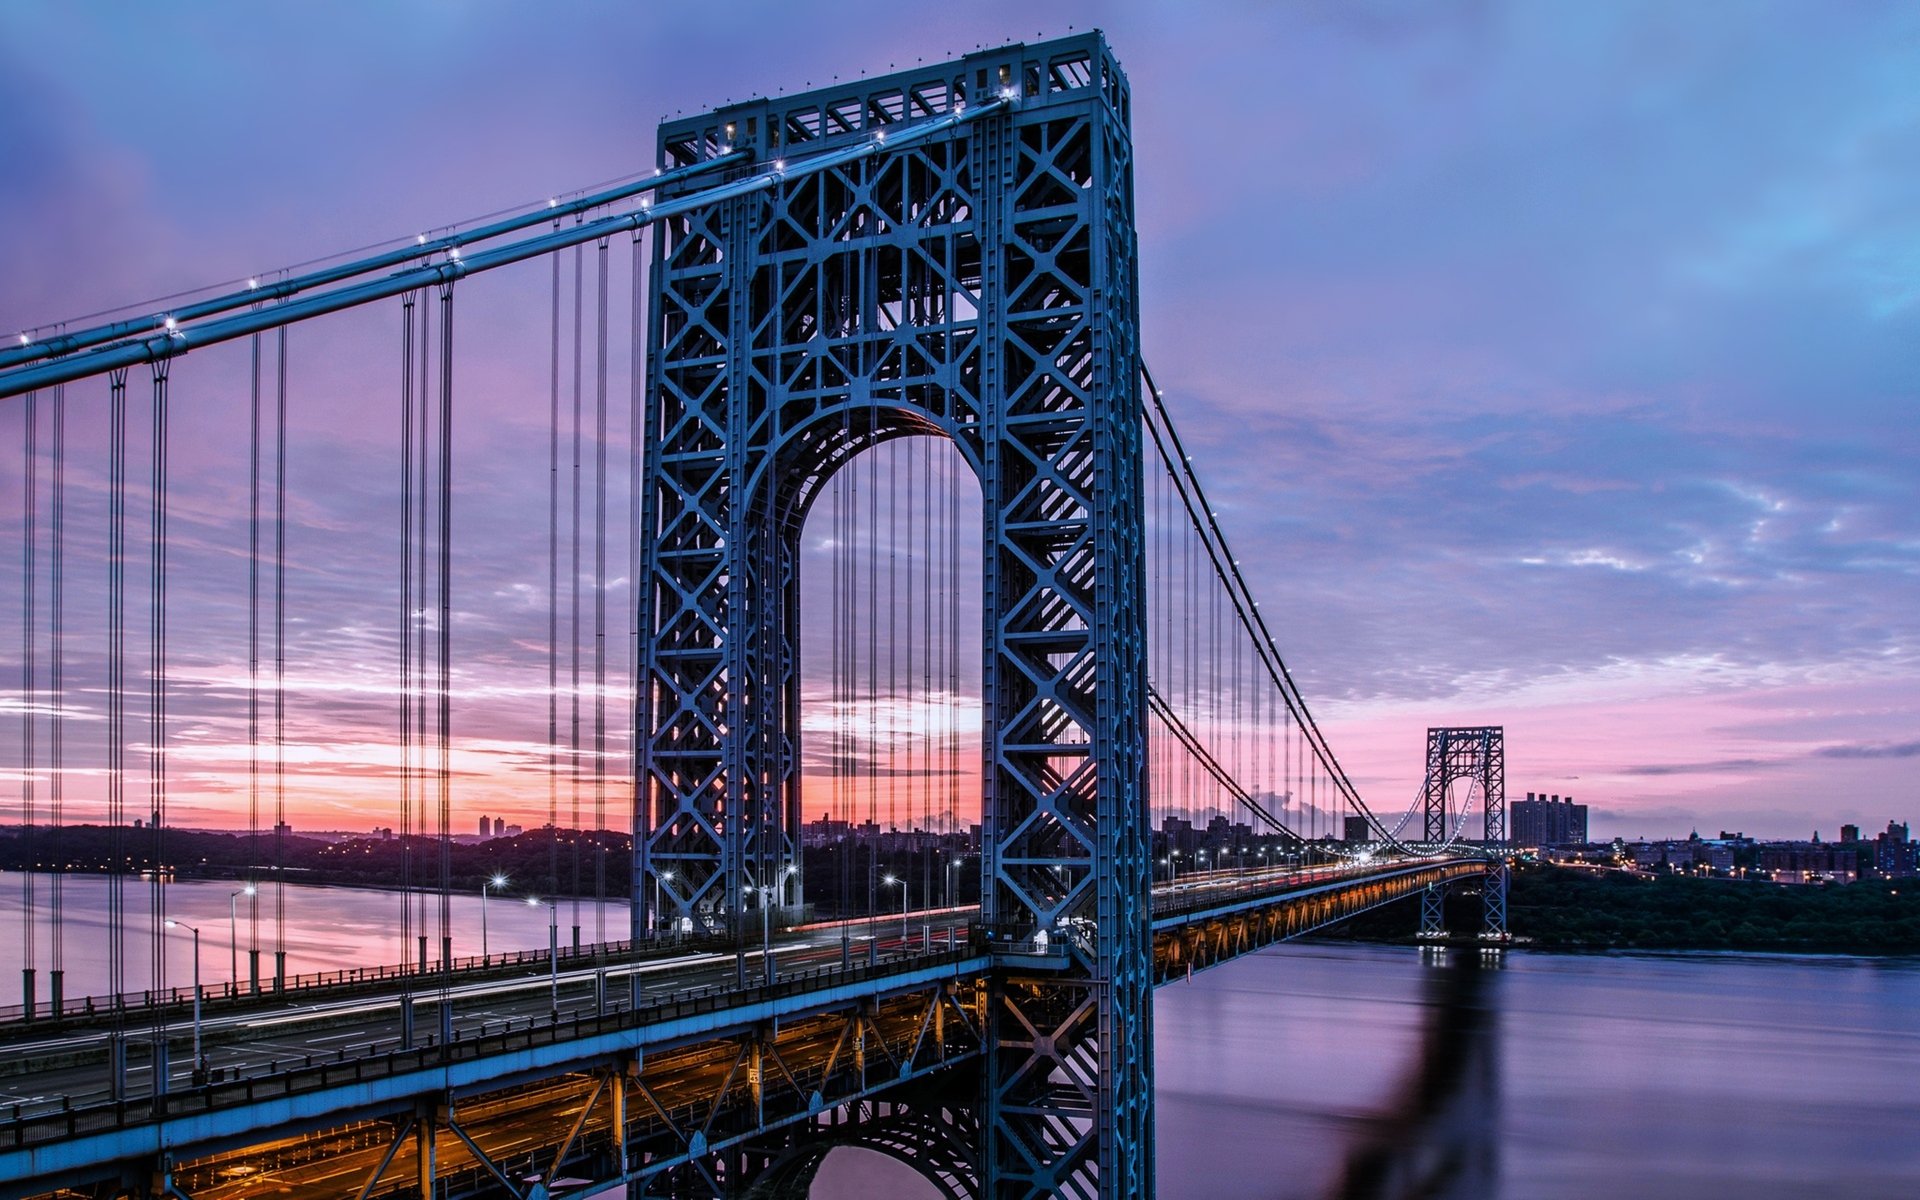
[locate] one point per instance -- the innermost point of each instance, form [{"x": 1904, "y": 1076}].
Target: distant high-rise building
[
  {"x": 484, "y": 826},
  {"x": 1545, "y": 820},
  {"x": 1849, "y": 833},
  {"x": 1357, "y": 831},
  {"x": 499, "y": 826},
  {"x": 1894, "y": 855}
]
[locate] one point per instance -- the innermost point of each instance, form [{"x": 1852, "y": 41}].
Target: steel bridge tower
[
  {"x": 1476, "y": 755},
  {"x": 978, "y": 285}
]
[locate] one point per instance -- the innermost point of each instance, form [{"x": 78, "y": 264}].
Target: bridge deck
[{"x": 317, "y": 1108}]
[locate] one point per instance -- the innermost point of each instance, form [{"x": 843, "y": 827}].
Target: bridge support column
[
  {"x": 1494, "y": 902},
  {"x": 981, "y": 286},
  {"x": 1433, "y": 911},
  {"x": 425, "y": 1145},
  {"x": 621, "y": 1071}
]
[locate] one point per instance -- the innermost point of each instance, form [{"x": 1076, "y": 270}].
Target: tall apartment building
[{"x": 1545, "y": 820}]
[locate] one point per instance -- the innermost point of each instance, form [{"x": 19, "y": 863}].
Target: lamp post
[
  {"x": 498, "y": 881},
  {"x": 953, "y": 864},
  {"x": 766, "y": 918},
  {"x": 890, "y": 880},
  {"x": 553, "y": 951},
  {"x": 233, "y": 936},
  {"x": 658, "y": 916},
  {"x": 199, "y": 1064}
]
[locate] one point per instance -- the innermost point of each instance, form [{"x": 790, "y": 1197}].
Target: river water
[
  {"x": 1585, "y": 1077},
  {"x": 327, "y": 929},
  {"x": 1295, "y": 1073}
]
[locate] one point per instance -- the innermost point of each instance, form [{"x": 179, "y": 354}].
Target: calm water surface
[
  {"x": 1603, "y": 1076},
  {"x": 327, "y": 929}
]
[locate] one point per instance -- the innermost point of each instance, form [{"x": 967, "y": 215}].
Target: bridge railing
[
  {"x": 1211, "y": 888},
  {"x": 177, "y": 1002},
  {"x": 27, "y": 1125}
]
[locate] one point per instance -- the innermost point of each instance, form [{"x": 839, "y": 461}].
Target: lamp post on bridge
[
  {"x": 553, "y": 951},
  {"x": 199, "y": 1063},
  {"x": 497, "y": 881},
  {"x": 657, "y": 915},
  {"x": 233, "y": 935},
  {"x": 766, "y": 918},
  {"x": 890, "y": 880}
]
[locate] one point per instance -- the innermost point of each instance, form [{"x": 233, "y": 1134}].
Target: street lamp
[
  {"x": 498, "y": 881},
  {"x": 766, "y": 918},
  {"x": 233, "y": 936},
  {"x": 553, "y": 951},
  {"x": 890, "y": 880},
  {"x": 657, "y": 914},
  {"x": 953, "y": 864},
  {"x": 199, "y": 1063}
]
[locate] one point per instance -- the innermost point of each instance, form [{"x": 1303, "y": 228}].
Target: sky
[{"x": 1552, "y": 365}]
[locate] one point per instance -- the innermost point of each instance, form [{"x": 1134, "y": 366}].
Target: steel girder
[
  {"x": 1214, "y": 938},
  {"x": 981, "y": 287},
  {"x": 1479, "y": 754}
]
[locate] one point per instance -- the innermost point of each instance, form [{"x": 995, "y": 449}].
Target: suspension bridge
[{"x": 910, "y": 534}]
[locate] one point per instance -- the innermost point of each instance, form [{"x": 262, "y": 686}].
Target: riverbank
[{"x": 1557, "y": 908}]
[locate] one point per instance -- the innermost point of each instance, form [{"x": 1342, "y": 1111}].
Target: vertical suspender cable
[
  {"x": 836, "y": 756},
  {"x": 280, "y": 661},
  {"x": 445, "y": 689},
  {"x": 29, "y": 716},
  {"x": 893, "y": 645},
  {"x": 56, "y": 781},
  {"x": 600, "y": 610},
  {"x": 157, "y": 713},
  {"x": 953, "y": 650},
  {"x": 254, "y": 432},
  {"x": 422, "y": 620},
  {"x": 573, "y": 591},
  {"x": 119, "y": 864},
  {"x": 922, "y": 743},
  {"x": 407, "y": 619},
  {"x": 872, "y": 755},
  {"x": 641, "y": 822},
  {"x": 553, "y": 591}
]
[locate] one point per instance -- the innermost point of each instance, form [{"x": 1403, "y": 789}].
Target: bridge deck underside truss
[
  {"x": 980, "y": 287},
  {"x": 698, "y": 1119},
  {"x": 1209, "y": 939}
]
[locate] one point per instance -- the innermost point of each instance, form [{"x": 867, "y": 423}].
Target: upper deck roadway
[{"x": 308, "y": 1087}]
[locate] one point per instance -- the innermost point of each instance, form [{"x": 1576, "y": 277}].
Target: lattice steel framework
[
  {"x": 981, "y": 286},
  {"x": 1476, "y": 754}
]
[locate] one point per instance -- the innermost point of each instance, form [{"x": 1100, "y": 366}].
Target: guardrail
[
  {"x": 316, "y": 1072},
  {"x": 177, "y": 1003},
  {"x": 1217, "y": 886}
]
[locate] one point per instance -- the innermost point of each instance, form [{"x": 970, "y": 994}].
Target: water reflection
[
  {"x": 327, "y": 928},
  {"x": 1435, "y": 1136},
  {"x": 1304, "y": 1073}
]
